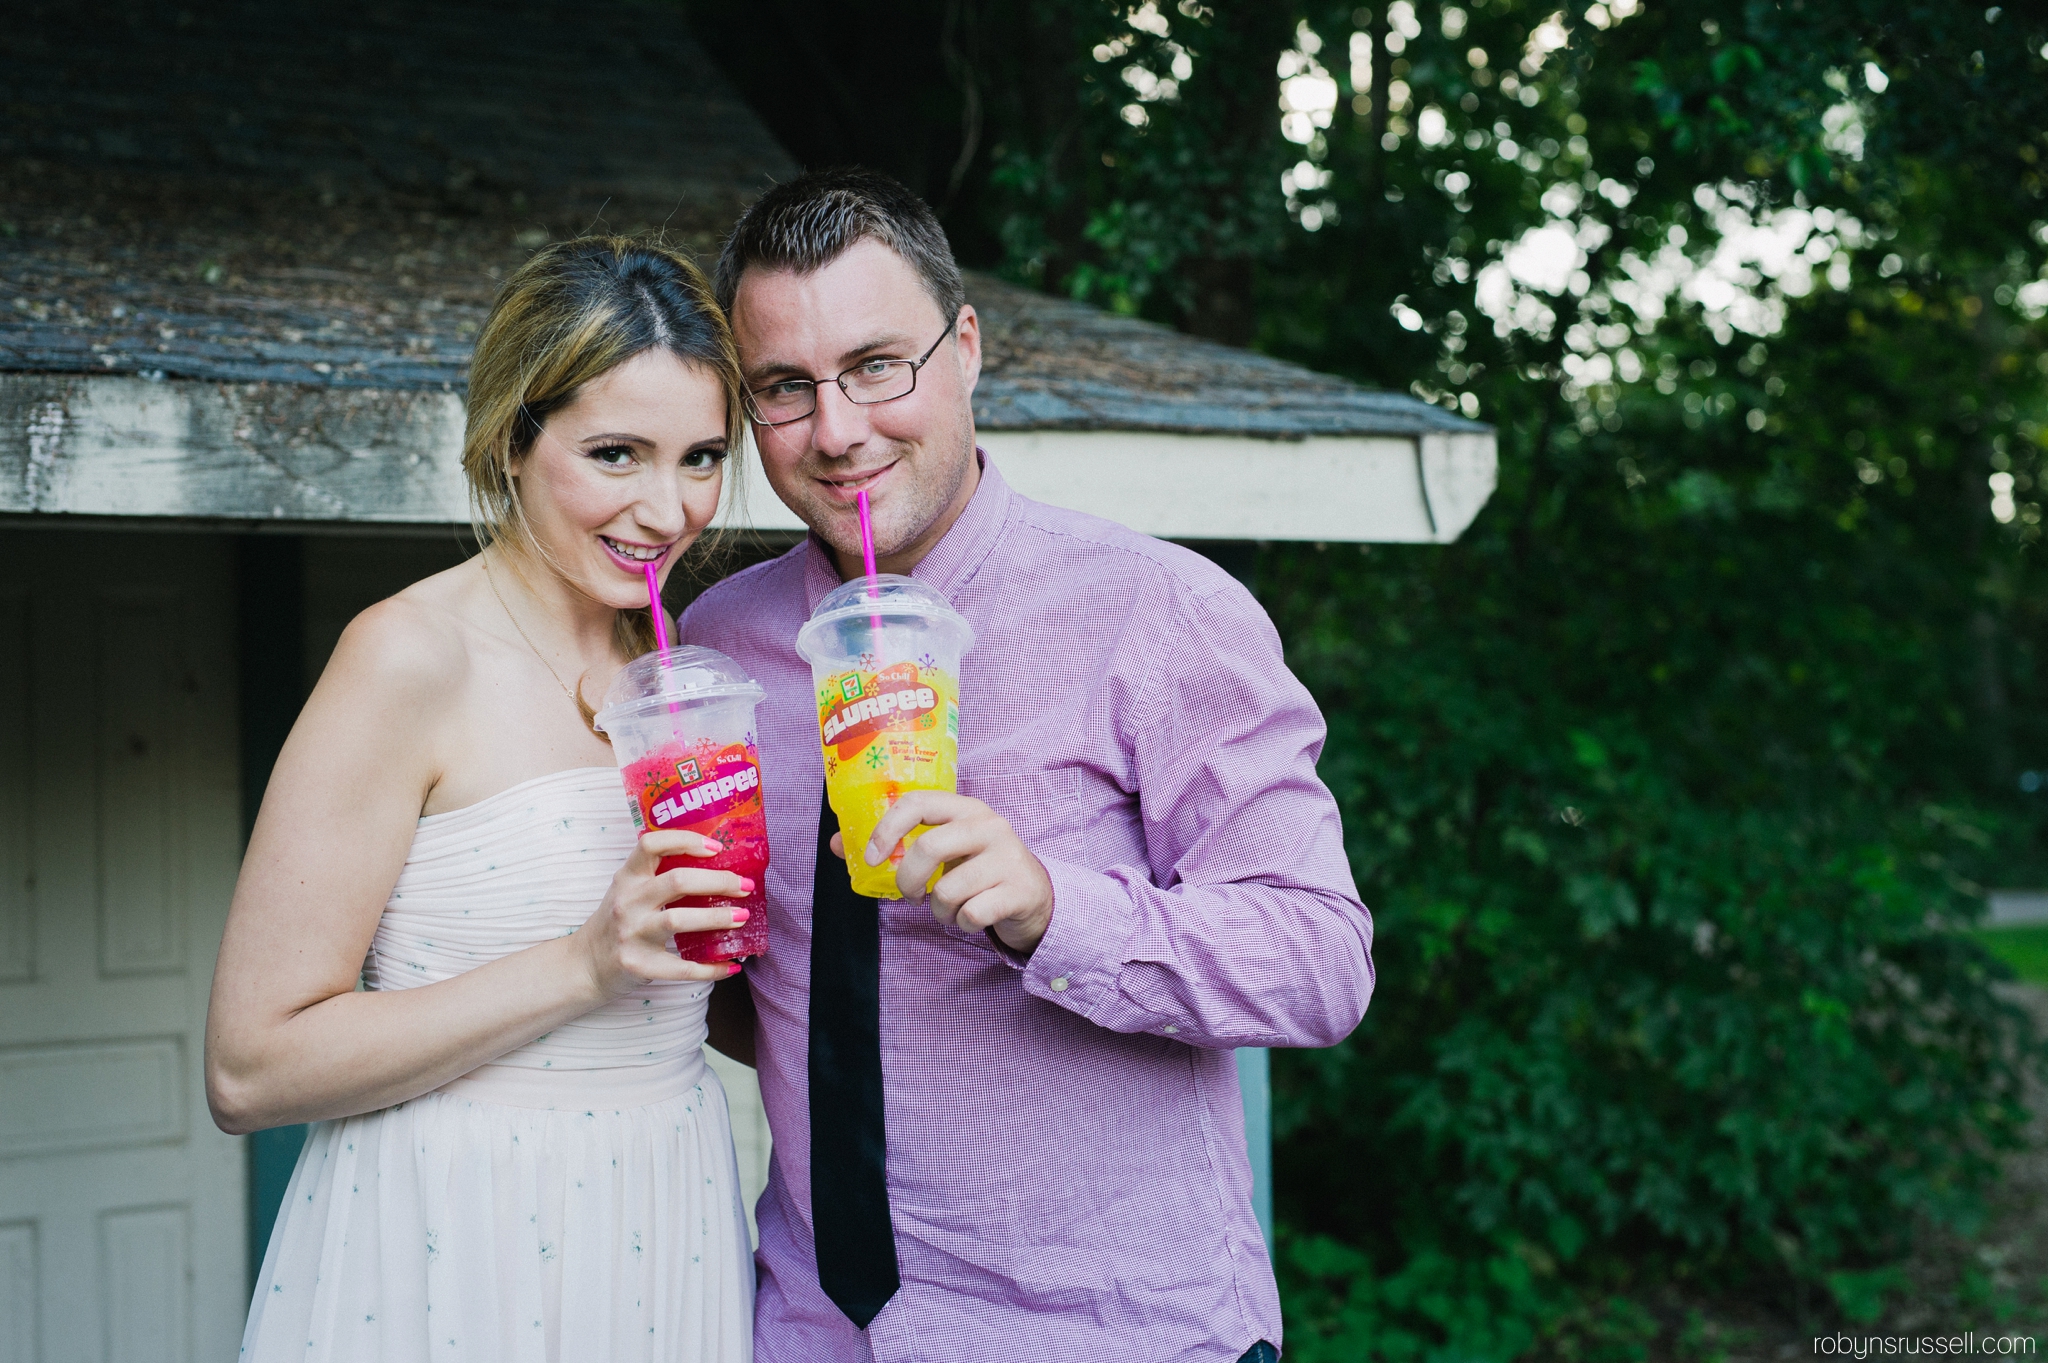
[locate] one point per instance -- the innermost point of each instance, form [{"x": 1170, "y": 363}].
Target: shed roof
[
  {"x": 1052, "y": 364},
  {"x": 241, "y": 192},
  {"x": 250, "y": 192},
  {"x": 284, "y": 214},
  {"x": 457, "y": 103},
  {"x": 392, "y": 300}
]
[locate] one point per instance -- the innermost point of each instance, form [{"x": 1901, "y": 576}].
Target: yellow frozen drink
[{"x": 885, "y": 659}]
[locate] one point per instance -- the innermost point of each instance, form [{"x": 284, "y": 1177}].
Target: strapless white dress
[{"x": 575, "y": 1199}]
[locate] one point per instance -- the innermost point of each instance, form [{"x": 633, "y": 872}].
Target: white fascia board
[
  {"x": 78, "y": 445},
  {"x": 1334, "y": 489},
  {"x": 113, "y": 446}
]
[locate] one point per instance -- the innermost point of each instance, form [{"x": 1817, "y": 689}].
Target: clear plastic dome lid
[
  {"x": 684, "y": 675},
  {"x": 895, "y": 597}
]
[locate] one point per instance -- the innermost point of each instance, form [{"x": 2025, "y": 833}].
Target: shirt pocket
[{"x": 1043, "y": 804}]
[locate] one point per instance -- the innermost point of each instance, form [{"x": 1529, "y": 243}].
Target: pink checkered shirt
[{"x": 1066, "y": 1152}]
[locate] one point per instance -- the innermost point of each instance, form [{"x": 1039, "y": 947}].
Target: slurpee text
[{"x": 714, "y": 790}]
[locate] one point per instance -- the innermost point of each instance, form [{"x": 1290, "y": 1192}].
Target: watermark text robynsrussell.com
[{"x": 1955, "y": 1346}]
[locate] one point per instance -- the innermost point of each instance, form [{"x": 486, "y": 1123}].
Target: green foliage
[
  {"x": 1503, "y": 1301},
  {"x": 1434, "y": 1306},
  {"x": 1664, "y": 782},
  {"x": 1131, "y": 201},
  {"x": 2023, "y": 949},
  {"x": 1659, "y": 988},
  {"x": 1670, "y": 784}
]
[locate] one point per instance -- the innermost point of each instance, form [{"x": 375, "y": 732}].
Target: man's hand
[{"x": 992, "y": 880}]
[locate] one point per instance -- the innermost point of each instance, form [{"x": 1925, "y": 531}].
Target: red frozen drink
[
  {"x": 681, "y": 722},
  {"x": 715, "y": 791}
]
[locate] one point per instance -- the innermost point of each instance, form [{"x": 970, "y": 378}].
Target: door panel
[
  {"x": 91, "y": 1096},
  {"x": 121, "y": 1206},
  {"x": 136, "y": 682},
  {"x": 146, "y": 1262}
]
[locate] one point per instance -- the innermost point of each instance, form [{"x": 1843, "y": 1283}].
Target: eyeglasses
[{"x": 867, "y": 383}]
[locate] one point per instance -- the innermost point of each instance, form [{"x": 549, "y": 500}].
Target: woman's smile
[{"x": 634, "y": 557}]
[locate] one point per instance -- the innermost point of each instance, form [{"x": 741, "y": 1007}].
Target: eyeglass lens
[{"x": 875, "y": 381}]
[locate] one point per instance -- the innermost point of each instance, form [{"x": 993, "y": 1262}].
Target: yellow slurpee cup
[{"x": 885, "y": 660}]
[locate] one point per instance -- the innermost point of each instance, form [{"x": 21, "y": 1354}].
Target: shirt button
[
  {"x": 1059, "y": 984},
  {"x": 1171, "y": 1029}
]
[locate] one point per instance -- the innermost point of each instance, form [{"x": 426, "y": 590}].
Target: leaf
[
  {"x": 1604, "y": 904},
  {"x": 1861, "y": 1295},
  {"x": 1734, "y": 58}
]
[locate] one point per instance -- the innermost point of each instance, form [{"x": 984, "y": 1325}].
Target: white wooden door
[{"x": 121, "y": 1205}]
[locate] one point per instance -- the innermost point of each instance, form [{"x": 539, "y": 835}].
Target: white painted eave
[
  {"x": 1382, "y": 489},
  {"x": 113, "y": 446}
]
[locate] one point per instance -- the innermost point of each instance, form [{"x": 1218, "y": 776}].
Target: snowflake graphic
[
  {"x": 927, "y": 661},
  {"x": 867, "y": 662},
  {"x": 876, "y": 757}
]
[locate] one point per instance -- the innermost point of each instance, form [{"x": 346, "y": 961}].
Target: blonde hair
[{"x": 575, "y": 311}]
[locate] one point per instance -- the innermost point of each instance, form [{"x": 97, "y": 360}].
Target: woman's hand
[{"x": 631, "y": 938}]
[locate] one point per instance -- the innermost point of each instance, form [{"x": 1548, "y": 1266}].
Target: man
[{"x": 1006, "y": 1117}]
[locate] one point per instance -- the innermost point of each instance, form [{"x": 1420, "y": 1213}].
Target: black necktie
[{"x": 849, "y": 1195}]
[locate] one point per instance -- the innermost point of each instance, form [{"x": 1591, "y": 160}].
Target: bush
[{"x": 1641, "y": 798}]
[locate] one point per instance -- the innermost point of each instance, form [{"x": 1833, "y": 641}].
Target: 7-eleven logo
[{"x": 687, "y": 772}]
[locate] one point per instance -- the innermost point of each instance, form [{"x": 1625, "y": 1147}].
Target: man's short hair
[{"x": 808, "y": 223}]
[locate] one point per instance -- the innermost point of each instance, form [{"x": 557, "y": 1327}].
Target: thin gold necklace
[{"x": 578, "y": 700}]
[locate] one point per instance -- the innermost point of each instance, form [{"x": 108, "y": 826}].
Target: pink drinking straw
[
  {"x": 867, "y": 558},
  {"x": 654, "y": 609},
  {"x": 660, "y": 623}
]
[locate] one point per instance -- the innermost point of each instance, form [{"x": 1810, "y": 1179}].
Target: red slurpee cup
[{"x": 681, "y": 722}]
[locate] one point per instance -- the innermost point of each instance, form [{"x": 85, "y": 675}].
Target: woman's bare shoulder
[
  {"x": 413, "y": 647},
  {"x": 375, "y": 727},
  {"x": 402, "y": 643}
]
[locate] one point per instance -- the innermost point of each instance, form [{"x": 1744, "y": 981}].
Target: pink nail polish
[
  {"x": 740, "y": 916},
  {"x": 734, "y": 971},
  {"x": 712, "y": 847},
  {"x": 746, "y": 885}
]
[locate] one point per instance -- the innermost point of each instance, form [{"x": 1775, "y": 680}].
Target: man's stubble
[{"x": 919, "y": 497}]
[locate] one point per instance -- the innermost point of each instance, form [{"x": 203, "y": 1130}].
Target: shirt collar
[{"x": 957, "y": 556}]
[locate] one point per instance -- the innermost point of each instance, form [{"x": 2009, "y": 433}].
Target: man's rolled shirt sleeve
[{"x": 1246, "y": 929}]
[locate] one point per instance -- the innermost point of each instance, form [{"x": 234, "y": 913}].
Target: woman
[{"x": 518, "y": 1153}]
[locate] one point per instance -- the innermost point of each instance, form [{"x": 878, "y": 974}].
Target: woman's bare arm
[{"x": 289, "y": 1039}]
